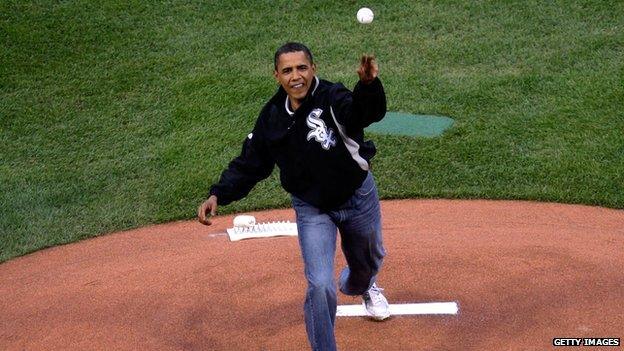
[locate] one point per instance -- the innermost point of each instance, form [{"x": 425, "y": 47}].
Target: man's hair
[{"x": 292, "y": 47}]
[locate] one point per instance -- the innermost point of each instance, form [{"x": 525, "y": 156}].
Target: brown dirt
[{"x": 522, "y": 273}]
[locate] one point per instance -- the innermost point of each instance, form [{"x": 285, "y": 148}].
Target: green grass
[{"x": 118, "y": 114}]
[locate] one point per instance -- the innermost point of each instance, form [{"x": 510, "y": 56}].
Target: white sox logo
[{"x": 319, "y": 131}]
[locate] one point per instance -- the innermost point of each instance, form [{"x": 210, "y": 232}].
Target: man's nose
[{"x": 296, "y": 75}]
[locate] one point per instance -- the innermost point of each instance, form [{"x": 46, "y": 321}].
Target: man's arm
[
  {"x": 367, "y": 103},
  {"x": 242, "y": 174}
]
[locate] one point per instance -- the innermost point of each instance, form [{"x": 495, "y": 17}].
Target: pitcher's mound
[{"x": 522, "y": 274}]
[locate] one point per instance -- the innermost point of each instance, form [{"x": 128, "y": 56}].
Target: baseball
[
  {"x": 365, "y": 15},
  {"x": 244, "y": 221}
]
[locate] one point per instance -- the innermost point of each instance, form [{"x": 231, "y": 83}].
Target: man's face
[{"x": 295, "y": 74}]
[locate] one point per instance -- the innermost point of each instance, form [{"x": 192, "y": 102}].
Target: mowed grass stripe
[{"x": 118, "y": 114}]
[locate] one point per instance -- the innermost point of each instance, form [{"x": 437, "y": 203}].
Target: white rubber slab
[
  {"x": 263, "y": 230},
  {"x": 402, "y": 309}
]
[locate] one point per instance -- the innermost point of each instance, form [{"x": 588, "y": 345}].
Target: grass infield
[{"x": 116, "y": 114}]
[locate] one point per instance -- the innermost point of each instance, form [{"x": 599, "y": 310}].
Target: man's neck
[{"x": 294, "y": 103}]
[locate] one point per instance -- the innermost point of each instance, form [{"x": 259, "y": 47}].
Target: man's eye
[
  {"x": 302, "y": 68},
  {"x": 286, "y": 70}
]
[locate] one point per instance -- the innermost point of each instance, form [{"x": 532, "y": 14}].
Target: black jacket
[{"x": 320, "y": 149}]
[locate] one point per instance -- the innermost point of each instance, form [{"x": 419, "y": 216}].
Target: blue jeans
[{"x": 359, "y": 222}]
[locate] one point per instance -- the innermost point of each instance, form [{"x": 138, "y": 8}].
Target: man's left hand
[{"x": 368, "y": 70}]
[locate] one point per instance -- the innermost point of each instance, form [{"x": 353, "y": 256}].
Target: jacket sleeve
[
  {"x": 357, "y": 110},
  {"x": 245, "y": 171}
]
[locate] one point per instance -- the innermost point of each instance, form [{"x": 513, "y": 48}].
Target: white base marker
[{"x": 402, "y": 309}]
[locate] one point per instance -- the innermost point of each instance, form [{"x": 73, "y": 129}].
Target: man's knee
[{"x": 322, "y": 283}]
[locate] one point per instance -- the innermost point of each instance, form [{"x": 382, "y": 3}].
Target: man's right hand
[{"x": 208, "y": 206}]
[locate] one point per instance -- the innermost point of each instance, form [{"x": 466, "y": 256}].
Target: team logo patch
[{"x": 319, "y": 131}]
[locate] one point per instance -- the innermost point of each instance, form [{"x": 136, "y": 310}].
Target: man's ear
[{"x": 275, "y": 75}]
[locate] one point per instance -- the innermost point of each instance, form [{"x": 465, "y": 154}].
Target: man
[{"x": 314, "y": 131}]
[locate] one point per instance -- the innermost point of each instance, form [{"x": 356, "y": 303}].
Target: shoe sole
[{"x": 378, "y": 318}]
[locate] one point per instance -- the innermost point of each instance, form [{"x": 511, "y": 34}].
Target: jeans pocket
[{"x": 367, "y": 187}]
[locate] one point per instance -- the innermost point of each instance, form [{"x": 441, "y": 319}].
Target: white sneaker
[{"x": 375, "y": 303}]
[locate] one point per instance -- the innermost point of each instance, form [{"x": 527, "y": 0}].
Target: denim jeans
[{"x": 359, "y": 223}]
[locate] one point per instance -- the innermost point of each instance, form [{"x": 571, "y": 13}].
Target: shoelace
[{"x": 374, "y": 294}]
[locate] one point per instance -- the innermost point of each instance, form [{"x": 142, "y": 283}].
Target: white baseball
[
  {"x": 244, "y": 221},
  {"x": 365, "y": 15}
]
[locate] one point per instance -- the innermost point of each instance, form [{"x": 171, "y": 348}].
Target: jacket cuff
[
  {"x": 374, "y": 85},
  {"x": 222, "y": 197},
  {"x": 213, "y": 191}
]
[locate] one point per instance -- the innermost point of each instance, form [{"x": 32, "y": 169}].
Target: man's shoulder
[
  {"x": 271, "y": 106},
  {"x": 332, "y": 88},
  {"x": 269, "y": 112},
  {"x": 326, "y": 84}
]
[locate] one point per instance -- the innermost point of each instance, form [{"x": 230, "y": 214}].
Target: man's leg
[
  {"x": 317, "y": 239},
  {"x": 362, "y": 243}
]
